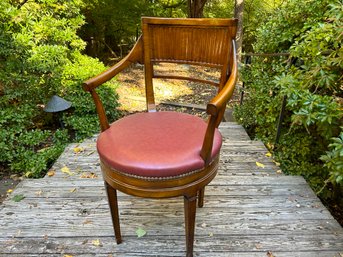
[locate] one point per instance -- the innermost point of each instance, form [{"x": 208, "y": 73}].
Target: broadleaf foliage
[{"x": 311, "y": 78}]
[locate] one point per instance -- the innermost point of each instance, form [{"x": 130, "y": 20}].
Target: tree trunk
[
  {"x": 196, "y": 8},
  {"x": 239, "y": 8}
]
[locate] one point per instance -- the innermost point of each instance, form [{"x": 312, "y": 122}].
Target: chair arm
[
  {"x": 135, "y": 55},
  {"x": 216, "y": 108},
  {"x": 219, "y": 102}
]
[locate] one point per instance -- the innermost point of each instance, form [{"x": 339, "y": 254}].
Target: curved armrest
[
  {"x": 219, "y": 102},
  {"x": 135, "y": 55},
  {"x": 216, "y": 108}
]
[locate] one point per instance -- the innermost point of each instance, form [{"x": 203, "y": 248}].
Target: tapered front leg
[
  {"x": 190, "y": 209},
  {"x": 113, "y": 203}
]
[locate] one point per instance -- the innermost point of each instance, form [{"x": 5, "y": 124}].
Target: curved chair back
[{"x": 203, "y": 42}]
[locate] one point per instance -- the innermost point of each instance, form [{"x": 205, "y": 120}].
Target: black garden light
[{"x": 57, "y": 105}]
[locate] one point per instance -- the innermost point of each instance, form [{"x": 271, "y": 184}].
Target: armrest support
[
  {"x": 219, "y": 102},
  {"x": 216, "y": 108},
  {"x": 135, "y": 55}
]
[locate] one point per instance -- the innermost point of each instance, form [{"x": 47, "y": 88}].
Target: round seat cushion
[{"x": 159, "y": 144}]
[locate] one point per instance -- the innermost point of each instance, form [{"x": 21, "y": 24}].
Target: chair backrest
[{"x": 204, "y": 42}]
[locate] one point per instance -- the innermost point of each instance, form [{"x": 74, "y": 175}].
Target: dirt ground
[
  {"x": 132, "y": 90},
  {"x": 7, "y": 183}
]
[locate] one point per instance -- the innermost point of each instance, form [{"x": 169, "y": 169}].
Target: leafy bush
[
  {"x": 333, "y": 160},
  {"x": 84, "y": 120},
  {"x": 311, "y": 78},
  {"x": 40, "y": 56}
]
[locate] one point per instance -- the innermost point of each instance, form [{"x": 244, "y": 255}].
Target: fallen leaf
[
  {"x": 277, "y": 163},
  {"x": 67, "y": 255},
  {"x": 87, "y": 221},
  {"x": 51, "y": 173},
  {"x": 210, "y": 234},
  {"x": 39, "y": 193},
  {"x": 270, "y": 254},
  {"x": 28, "y": 174},
  {"x": 88, "y": 175},
  {"x": 9, "y": 191},
  {"x": 72, "y": 190},
  {"x": 270, "y": 146},
  {"x": 96, "y": 242},
  {"x": 269, "y": 154},
  {"x": 18, "y": 198},
  {"x": 258, "y": 246},
  {"x": 279, "y": 171},
  {"x": 261, "y": 165},
  {"x": 78, "y": 149},
  {"x": 66, "y": 170},
  {"x": 140, "y": 232}
]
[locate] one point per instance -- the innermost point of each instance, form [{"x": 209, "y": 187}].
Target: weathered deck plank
[{"x": 249, "y": 211}]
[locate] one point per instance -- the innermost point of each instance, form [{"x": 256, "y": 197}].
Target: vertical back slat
[
  {"x": 205, "y": 42},
  {"x": 148, "y": 68},
  {"x": 189, "y": 44}
]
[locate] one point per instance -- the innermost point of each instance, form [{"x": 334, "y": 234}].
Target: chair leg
[
  {"x": 113, "y": 203},
  {"x": 201, "y": 194},
  {"x": 190, "y": 209}
]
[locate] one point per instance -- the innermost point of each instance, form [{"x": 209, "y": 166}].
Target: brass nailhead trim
[{"x": 162, "y": 178}]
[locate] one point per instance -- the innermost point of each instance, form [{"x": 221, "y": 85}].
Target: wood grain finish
[{"x": 203, "y": 42}]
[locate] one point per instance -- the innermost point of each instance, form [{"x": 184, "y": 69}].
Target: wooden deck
[{"x": 249, "y": 211}]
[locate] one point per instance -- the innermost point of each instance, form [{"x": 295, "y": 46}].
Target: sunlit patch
[{"x": 132, "y": 90}]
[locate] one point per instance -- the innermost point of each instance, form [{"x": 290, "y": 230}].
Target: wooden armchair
[{"x": 168, "y": 154}]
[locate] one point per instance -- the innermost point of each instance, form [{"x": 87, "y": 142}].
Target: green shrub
[
  {"x": 33, "y": 162},
  {"x": 333, "y": 160},
  {"x": 40, "y": 56},
  {"x": 84, "y": 120},
  {"x": 311, "y": 79}
]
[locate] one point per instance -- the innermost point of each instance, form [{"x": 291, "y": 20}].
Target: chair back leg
[
  {"x": 201, "y": 194},
  {"x": 190, "y": 209},
  {"x": 113, "y": 202}
]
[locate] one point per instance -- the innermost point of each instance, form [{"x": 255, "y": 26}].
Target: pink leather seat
[{"x": 158, "y": 144}]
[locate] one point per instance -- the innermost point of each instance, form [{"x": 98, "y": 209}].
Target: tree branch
[{"x": 202, "y": 3}]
